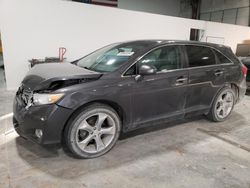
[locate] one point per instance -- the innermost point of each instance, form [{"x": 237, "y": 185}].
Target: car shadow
[
  {"x": 159, "y": 126},
  {"x": 57, "y": 161}
]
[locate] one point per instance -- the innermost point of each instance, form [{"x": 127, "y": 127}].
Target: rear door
[{"x": 206, "y": 77}]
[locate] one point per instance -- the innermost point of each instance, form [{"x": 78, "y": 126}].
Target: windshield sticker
[{"x": 125, "y": 53}]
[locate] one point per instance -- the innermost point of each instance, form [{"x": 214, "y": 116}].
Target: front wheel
[
  {"x": 93, "y": 132},
  {"x": 222, "y": 105}
]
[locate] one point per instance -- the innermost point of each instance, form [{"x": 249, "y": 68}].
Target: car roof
[{"x": 160, "y": 42}]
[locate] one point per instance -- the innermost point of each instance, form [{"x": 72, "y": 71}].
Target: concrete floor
[
  {"x": 2, "y": 79},
  {"x": 6, "y": 100},
  {"x": 2, "y": 74},
  {"x": 190, "y": 153}
]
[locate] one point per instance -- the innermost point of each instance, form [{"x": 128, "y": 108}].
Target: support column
[{"x": 195, "y": 4}]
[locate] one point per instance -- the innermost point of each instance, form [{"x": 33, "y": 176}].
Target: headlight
[{"x": 39, "y": 99}]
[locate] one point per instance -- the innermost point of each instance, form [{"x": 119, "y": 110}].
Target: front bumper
[{"x": 48, "y": 118}]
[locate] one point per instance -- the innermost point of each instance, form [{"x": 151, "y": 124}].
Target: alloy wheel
[
  {"x": 95, "y": 133},
  {"x": 224, "y": 104}
]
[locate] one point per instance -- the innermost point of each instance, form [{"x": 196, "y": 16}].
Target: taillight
[{"x": 244, "y": 70}]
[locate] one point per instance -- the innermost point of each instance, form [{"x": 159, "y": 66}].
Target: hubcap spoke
[
  {"x": 110, "y": 130},
  {"x": 86, "y": 126},
  {"x": 84, "y": 143},
  {"x": 228, "y": 98},
  {"x": 223, "y": 112},
  {"x": 219, "y": 109},
  {"x": 229, "y": 103},
  {"x": 227, "y": 109},
  {"x": 220, "y": 100},
  {"x": 225, "y": 104},
  {"x": 99, "y": 143},
  {"x": 100, "y": 119}
]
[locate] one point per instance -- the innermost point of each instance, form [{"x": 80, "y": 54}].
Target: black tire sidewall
[{"x": 70, "y": 136}]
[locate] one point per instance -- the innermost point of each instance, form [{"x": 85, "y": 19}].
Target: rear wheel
[
  {"x": 222, "y": 105},
  {"x": 93, "y": 132}
]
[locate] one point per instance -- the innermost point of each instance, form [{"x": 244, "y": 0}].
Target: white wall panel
[{"x": 36, "y": 29}]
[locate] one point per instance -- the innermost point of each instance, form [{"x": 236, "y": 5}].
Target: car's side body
[{"x": 163, "y": 96}]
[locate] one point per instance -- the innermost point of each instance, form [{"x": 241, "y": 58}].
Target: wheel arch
[
  {"x": 231, "y": 85},
  {"x": 119, "y": 110},
  {"x": 236, "y": 91},
  {"x": 235, "y": 88}
]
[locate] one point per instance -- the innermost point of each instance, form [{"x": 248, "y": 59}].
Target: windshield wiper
[
  {"x": 87, "y": 68},
  {"x": 90, "y": 69},
  {"x": 74, "y": 62}
]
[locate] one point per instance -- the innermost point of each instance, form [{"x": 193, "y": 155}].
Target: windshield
[{"x": 109, "y": 58}]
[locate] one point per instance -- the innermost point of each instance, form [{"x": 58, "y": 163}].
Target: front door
[{"x": 163, "y": 94}]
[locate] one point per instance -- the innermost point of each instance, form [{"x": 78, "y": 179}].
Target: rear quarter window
[
  {"x": 222, "y": 59},
  {"x": 199, "y": 56}
]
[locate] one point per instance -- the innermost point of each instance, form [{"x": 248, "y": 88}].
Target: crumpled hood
[{"x": 42, "y": 75}]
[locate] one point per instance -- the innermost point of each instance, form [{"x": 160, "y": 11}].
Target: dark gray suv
[{"x": 125, "y": 86}]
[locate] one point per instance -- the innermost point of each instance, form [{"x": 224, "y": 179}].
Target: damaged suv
[{"x": 125, "y": 86}]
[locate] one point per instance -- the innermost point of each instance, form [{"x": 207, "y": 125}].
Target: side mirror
[{"x": 147, "y": 70}]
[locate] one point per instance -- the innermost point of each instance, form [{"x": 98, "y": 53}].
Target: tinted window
[
  {"x": 131, "y": 71},
  {"x": 164, "y": 59},
  {"x": 200, "y": 56},
  {"x": 222, "y": 59}
]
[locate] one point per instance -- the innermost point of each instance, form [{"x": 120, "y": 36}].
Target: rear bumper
[
  {"x": 242, "y": 90},
  {"x": 48, "y": 118}
]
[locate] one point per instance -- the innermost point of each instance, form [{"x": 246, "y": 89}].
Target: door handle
[
  {"x": 218, "y": 72},
  {"x": 180, "y": 81}
]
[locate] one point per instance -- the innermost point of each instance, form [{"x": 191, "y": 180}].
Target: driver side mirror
[{"x": 147, "y": 70}]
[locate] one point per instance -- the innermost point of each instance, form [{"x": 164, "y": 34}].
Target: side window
[
  {"x": 164, "y": 58},
  {"x": 131, "y": 71},
  {"x": 200, "y": 56},
  {"x": 222, "y": 59}
]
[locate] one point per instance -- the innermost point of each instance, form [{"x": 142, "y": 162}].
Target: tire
[
  {"x": 93, "y": 131},
  {"x": 223, "y": 105}
]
